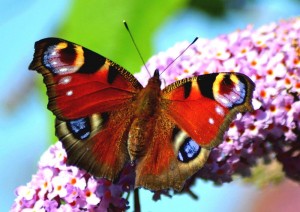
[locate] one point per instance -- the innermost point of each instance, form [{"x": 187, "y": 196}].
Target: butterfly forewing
[
  {"x": 80, "y": 82},
  {"x": 204, "y": 106}
]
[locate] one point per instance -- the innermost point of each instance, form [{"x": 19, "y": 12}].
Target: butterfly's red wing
[
  {"x": 204, "y": 106},
  {"x": 91, "y": 98},
  {"x": 80, "y": 82}
]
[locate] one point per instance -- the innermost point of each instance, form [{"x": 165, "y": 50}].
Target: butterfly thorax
[
  {"x": 148, "y": 98},
  {"x": 142, "y": 127}
]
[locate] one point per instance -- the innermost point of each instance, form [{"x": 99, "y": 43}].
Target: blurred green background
[{"x": 26, "y": 126}]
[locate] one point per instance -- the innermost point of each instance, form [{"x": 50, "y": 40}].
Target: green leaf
[{"x": 98, "y": 25}]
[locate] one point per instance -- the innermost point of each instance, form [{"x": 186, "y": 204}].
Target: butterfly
[{"x": 106, "y": 119}]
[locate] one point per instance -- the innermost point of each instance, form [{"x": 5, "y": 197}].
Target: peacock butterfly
[{"x": 105, "y": 118}]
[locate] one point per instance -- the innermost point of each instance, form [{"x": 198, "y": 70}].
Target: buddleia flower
[{"x": 269, "y": 55}]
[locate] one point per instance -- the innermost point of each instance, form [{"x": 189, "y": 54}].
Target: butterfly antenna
[
  {"x": 127, "y": 28},
  {"x": 180, "y": 54}
]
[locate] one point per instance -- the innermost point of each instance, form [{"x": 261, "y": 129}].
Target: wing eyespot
[
  {"x": 80, "y": 128},
  {"x": 63, "y": 58},
  {"x": 188, "y": 151}
]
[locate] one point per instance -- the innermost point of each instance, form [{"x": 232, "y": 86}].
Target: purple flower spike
[
  {"x": 270, "y": 56},
  {"x": 58, "y": 187}
]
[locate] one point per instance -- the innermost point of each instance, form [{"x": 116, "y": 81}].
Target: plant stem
[{"x": 137, "y": 205}]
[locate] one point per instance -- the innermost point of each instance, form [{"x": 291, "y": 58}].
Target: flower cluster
[
  {"x": 270, "y": 56},
  {"x": 58, "y": 187}
]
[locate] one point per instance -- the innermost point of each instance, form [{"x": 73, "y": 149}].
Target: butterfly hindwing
[
  {"x": 204, "y": 106},
  {"x": 172, "y": 156},
  {"x": 97, "y": 143}
]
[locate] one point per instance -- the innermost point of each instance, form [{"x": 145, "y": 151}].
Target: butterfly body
[
  {"x": 105, "y": 118},
  {"x": 146, "y": 108}
]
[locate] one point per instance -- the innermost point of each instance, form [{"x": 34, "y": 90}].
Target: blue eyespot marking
[
  {"x": 188, "y": 151},
  {"x": 80, "y": 128}
]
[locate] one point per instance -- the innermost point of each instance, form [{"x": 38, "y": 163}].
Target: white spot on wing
[
  {"x": 211, "y": 121},
  {"x": 219, "y": 110},
  {"x": 69, "y": 93},
  {"x": 65, "y": 80}
]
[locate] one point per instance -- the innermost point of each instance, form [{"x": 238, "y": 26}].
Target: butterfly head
[
  {"x": 156, "y": 73},
  {"x": 155, "y": 80}
]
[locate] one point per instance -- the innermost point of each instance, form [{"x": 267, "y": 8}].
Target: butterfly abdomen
[{"x": 138, "y": 138}]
